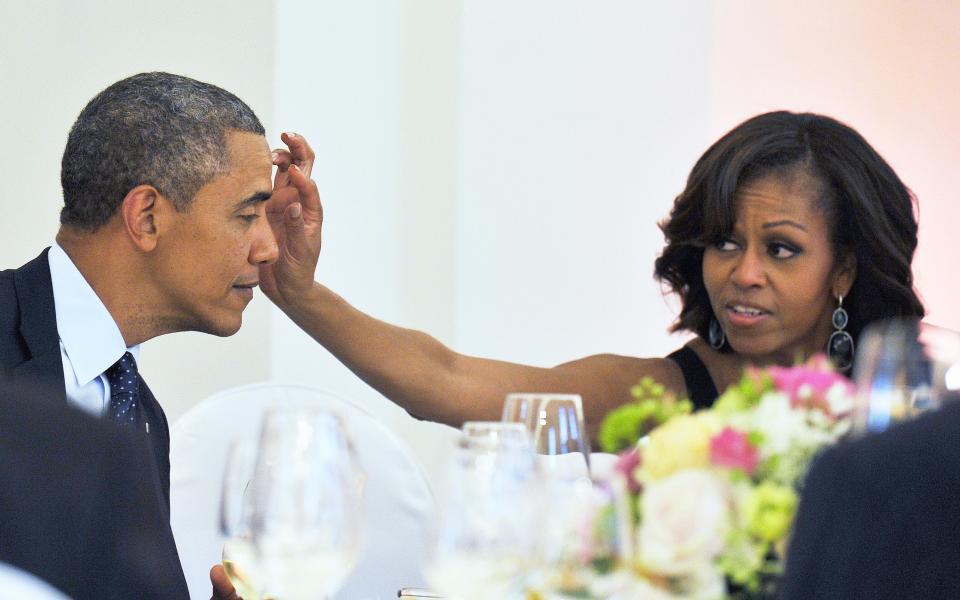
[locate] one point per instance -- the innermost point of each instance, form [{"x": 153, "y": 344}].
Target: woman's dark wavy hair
[{"x": 870, "y": 212}]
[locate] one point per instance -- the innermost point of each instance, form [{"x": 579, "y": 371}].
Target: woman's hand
[{"x": 296, "y": 217}]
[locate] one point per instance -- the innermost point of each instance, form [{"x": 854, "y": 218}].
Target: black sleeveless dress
[{"x": 700, "y": 387}]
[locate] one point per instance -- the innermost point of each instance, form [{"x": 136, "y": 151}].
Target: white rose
[
  {"x": 840, "y": 399},
  {"x": 686, "y": 518},
  {"x": 708, "y": 583},
  {"x": 634, "y": 588}
]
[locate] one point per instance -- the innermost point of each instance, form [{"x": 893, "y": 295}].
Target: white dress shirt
[{"x": 90, "y": 341}]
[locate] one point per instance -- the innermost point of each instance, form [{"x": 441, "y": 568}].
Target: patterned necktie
[{"x": 125, "y": 405}]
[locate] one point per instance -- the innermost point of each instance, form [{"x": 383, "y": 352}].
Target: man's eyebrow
[
  {"x": 787, "y": 222},
  {"x": 258, "y": 197}
]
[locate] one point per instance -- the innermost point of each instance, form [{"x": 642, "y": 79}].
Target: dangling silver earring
[
  {"x": 717, "y": 337},
  {"x": 840, "y": 344}
]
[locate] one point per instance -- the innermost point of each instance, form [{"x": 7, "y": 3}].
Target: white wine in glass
[
  {"x": 306, "y": 503},
  {"x": 239, "y": 556}
]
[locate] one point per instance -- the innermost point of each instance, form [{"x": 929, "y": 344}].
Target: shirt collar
[{"x": 91, "y": 339}]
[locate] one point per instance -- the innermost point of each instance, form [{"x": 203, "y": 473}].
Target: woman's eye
[
  {"x": 726, "y": 245},
  {"x": 780, "y": 250},
  {"x": 250, "y": 218}
]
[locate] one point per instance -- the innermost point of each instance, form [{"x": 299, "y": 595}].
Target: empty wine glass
[
  {"x": 556, "y": 423},
  {"x": 523, "y": 407},
  {"x": 560, "y": 436},
  {"x": 306, "y": 521},
  {"x": 486, "y": 544},
  {"x": 239, "y": 555},
  {"x": 904, "y": 367}
]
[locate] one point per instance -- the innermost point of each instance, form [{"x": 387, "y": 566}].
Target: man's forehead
[
  {"x": 247, "y": 146},
  {"x": 250, "y": 160},
  {"x": 249, "y": 174}
]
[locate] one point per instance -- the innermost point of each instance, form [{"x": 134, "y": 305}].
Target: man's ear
[
  {"x": 142, "y": 214},
  {"x": 845, "y": 275}
]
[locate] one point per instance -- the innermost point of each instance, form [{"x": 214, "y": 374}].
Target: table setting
[{"x": 678, "y": 503}]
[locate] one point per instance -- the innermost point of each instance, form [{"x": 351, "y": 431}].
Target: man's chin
[
  {"x": 227, "y": 330},
  {"x": 224, "y": 327}
]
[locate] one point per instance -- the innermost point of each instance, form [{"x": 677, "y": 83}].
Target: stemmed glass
[
  {"x": 904, "y": 367},
  {"x": 556, "y": 423},
  {"x": 523, "y": 407},
  {"x": 305, "y": 518},
  {"x": 584, "y": 517},
  {"x": 588, "y": 543},
  {"x": 239, "y": 555},
  {"x": 487, "y": 542}
]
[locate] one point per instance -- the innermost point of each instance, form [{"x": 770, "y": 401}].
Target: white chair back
[
  {"x": 17, "y": 584},
  {"x": 399, "y": 507}
]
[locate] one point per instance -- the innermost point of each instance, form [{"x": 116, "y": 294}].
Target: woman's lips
[{"x": 743, "y": 315}]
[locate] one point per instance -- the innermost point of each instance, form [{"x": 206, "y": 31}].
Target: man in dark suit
[
  {"x": 880, "y": 516},
  {"x": 78, "y": 508},
  {"x": 163, "y": 229}
]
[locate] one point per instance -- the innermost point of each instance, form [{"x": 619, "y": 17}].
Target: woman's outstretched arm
[
  {"x": 433, "y": 382},
  {"x": 410, "y": 367}
]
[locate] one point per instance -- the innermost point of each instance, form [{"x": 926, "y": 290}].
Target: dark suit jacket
[
  {"x": 880, "y": 517},
  {"x": 30, "y": 350},
  {"x": 78, "y": 509},
  {"x": 30, "y": 361}
]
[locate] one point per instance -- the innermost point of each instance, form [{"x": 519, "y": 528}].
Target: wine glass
[
  {"x": 904, "y": 367},
  {"x": 588, "y": 542},
  {"x": 239, "y": 555},
  {"x": 305, "y": 518},
  {"x": 559, "y": 436},
  {"x": 523, "y": 407},
  {"x": 556, "y": 423},
  {"x": 487, "y": 542}
]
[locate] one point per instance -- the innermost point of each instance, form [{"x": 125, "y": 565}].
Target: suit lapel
[{"x": 38, "y": 326}]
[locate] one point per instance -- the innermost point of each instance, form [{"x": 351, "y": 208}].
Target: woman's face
[{"x": 773, "y": 283}]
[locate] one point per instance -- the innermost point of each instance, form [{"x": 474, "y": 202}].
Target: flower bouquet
[{"x": 712, "y": 493}]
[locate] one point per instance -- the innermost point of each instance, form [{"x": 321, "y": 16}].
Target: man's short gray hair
[{"x": 157, "y": 129}]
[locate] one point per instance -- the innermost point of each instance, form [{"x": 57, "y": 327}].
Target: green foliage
[
  {"x": 743, "y": 559},
  {"x": 787, "y": 468},
  {"x": 743, "y": 395},
  {"x": 624, "y": 426}
]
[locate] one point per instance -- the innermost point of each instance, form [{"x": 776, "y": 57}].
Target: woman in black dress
[{"x": 784, "y": 220}]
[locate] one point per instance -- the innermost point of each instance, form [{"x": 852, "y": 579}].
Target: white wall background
[
  {"x": 496, "y": 188},
  {"x": 492, "y": 171}
]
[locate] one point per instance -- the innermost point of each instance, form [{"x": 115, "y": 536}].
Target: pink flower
[
  {"x": 627, "y": 465},
  {"x": 809, "y": 384},
  {"x": 731, "y": 448}
]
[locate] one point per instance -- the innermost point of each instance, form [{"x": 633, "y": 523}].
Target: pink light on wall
[{"x": 891, "y": 70}]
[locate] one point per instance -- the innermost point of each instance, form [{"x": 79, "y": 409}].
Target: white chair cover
[
  {"x": 18, "y": 584},
  {"x": 399, "y": 507}
]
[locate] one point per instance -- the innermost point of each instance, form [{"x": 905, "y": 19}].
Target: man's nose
[{"x": 264, "y": 250}]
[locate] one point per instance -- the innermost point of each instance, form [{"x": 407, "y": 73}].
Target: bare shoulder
[
  {"x": 616, "y": 374},
  {"x": 604, "y": 381}
]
